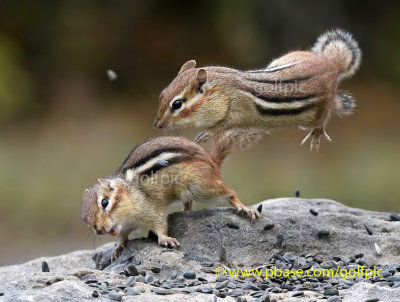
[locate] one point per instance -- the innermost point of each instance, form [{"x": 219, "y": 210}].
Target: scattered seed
[
  {"x": 206, "y": 290},
  {"x": 222, "y": 254},
  {"x": 297, "y": 193},
  {"x": 314, "y": 212},
  {"x": 369, "y": 229},
  {"x": 331, "y": 292},
  {"x": 132, "y": 270},
  {"x": 232, "y": 226},
  {"x": 378, "y": 249},
  {"x": 221, "y": 284},
  {"x": 259, "y": 208},
  {"x": 395, "y": 278},
  {"x": 394, "y": 217},
  {"x": 268, "y": 227},
  {"x": 89, "y": 281},
  {"x": 231, "y": 285},
  {"x": 115, "y": 296},
  {"x": 279, "y": 240},
  {"x": 131, "y": 292},
  {"x": 189, "y": 275},
  {"x": 161, "y": 291},
  {"x": 45, "y": 267},
  {"x": 130, "y": 281},
  {"x": 207, "y": 264},
  {"x": 297, "y": 294},
  {"x": 111, "y": 75},
  {"x": 323, "y": 234},
  {"x": 156, "y": 270}
]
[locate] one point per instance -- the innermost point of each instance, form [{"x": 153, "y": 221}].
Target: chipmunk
[
  {"x": 297, "y": 89},
  {"x": 156, "y": 173}
]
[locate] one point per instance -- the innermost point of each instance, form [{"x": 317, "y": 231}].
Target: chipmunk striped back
[{"x": 297, "y": 89}]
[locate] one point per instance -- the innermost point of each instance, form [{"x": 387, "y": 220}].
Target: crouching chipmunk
[
  {"x": 156, "y": 173},
  {"x": 297, "y": 89}
]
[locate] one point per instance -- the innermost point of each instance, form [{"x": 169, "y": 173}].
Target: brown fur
[
  {"x": 303, "y": 94},
  {"x": 142, "y": 201}
]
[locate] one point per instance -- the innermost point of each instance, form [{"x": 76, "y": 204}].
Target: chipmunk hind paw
[{"x": 315, "y": 135}]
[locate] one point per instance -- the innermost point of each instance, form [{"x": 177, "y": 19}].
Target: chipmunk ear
[
  {"x": 188, "y": 65},
  {"x": 201, "y": 76},
  {"x": 103, "y": 182}
]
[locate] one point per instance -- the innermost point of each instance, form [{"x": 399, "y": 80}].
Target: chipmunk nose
[
  {"x": 99, "y": 230},
  {"x": 158, "y": 124}
]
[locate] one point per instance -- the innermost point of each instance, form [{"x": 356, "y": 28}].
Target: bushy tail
[
  {"x": 341, "y": 47},
  {"x": 232, "y": 139}
]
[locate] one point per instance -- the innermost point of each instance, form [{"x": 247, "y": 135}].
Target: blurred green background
[{"x": 63, "y": 124}]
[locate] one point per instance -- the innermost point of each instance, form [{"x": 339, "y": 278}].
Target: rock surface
[{"x": 219, "y": 237}]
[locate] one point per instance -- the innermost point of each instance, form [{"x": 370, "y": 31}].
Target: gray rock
[{"x": 201, "y": 237}]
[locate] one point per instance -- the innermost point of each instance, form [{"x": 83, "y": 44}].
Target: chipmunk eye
[
  {"x": 104, "y": 203},
  {"x": 177, "y": 104}
]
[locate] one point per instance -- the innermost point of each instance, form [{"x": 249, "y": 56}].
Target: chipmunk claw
[
  {"x": 316, "y": 135},
  {"x": 252, "y": 214},
  {"x": 202, "y": 137},
  {"x": 169, "y": 242}
]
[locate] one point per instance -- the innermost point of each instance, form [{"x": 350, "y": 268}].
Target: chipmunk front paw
[
  {"x": 252, "y": 214},
  {"x": 168, "y": 242},
  {"x": 117, "y": 252}
]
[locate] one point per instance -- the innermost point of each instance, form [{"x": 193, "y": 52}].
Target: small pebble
[
  {"x": 259, "y": 208},
  {"x": 369, "y": 229},
  {"x": 45, "y": 267},
  {"x": 95, "y": 294},
  {"x": 394, "y": 217},
  {"x": 1, "y": 294},
  {"x": 314, "y": 212},
  {"x": 115, "y": 296},
  {"x": 297, "y": 193},
  {"x": 189, "y": 275},
  {"x": 372, "y": 300},
  {"x": 156, "y": 270},
  {"x": 334, "y": 299},
  {"x": 207, "y": 264}
]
